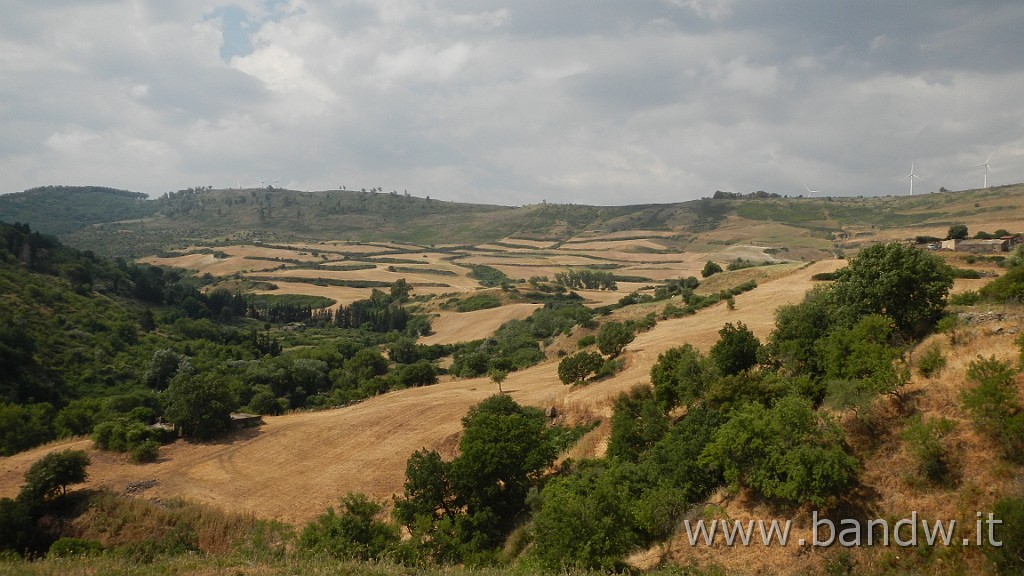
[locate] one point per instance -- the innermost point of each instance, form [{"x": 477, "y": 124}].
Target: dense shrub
[
  {"x": 637, "y": 424},
  {"x": 993, "y": 405},
  {"x": 354, "y": 533},
  {"x": 74, "y": 548},
  {"x": 785, "y": 452},
  {"x": 1008, "y": 558},
  {"x": 931, "y": 361},
  {"x": 710, "y": 269},
  {"x": 585, "y": 521},
  {"x": 924, "y": 441},
  {"x": 681, "y": 376}
]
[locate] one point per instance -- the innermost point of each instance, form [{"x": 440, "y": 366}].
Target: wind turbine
[
  {"x": 985, "y": 164},
  {"x": 911, "y": 177}
]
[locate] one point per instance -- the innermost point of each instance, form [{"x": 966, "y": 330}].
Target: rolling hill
[
  {"x": 347, "y": 246},
  {"x": 120, "y": 223}
]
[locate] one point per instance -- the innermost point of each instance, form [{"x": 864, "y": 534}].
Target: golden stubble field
[
  {"x": 646, "y": 257},
  {"x": 296, "y": 465}
]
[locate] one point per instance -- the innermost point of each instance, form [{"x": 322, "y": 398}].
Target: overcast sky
[{"x": 513, "y": 102}]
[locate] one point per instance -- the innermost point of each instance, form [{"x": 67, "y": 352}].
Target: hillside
[
  {"x": 363, "y": 344},
  {"x": 117, "y": 223},
  {"x": 318, "y": 456}
]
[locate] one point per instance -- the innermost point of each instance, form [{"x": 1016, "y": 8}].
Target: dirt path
[{"x": 294, "y": 466}]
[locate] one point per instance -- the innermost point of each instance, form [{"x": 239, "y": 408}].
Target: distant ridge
[{"x": 123, "y": 223}]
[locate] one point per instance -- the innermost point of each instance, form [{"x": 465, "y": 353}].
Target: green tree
[
  {"x": 902, "y": 282},
  {"x": 957, "y": 232},
  {"x": 50, "y": 476},
  {"x": 576, "y": 368},
  {"x": 585, "y": 521},
  {"x": 498, "y": 376},
  {"x": 428, "y": 494},
  {"x": 198, "y": 405},
  {"x": 403, "y": 350},
  {"x": 162, "y": 367},
  {"x": 710, "y": 269},
  {"x": 792, "y": 346},
  {"x": 613, "y": 337},
  {"x": 465, "y": 507},
  {"x": 637, "y": 424},
  {"x": 422, "y": 373},
  {"x": 736, "y": 349},
  {"x": 503, "y": 449},
  {"x": 400, "y": 290},
  {"x": 863, "y": 354},
  {"x": 680, "y": 377}
]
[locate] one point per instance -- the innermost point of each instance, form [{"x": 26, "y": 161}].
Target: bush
[
  {"x": 1008, "y": 558},
  {"x": 931, "y": 361},
  {"x": 965, "y": 298},
  {"x": 609, "y": 368},
  {"x": 353, "y": 534},
  {"x": 710, "y": 269},
  {"x": 124, "y": 435},
  {"x": 680, "y": 377},
  {"x": 588, "y": 340},
  {"x": 785, "y": 452},
  {"x": 637, "y": 424},
  {"x": 993, "y": 404},
  {"x": 146, "y": 451},
  {"x": 585, "y": 522},
  {"x": 74, "y": 547},
  {"x": 924, "y": 440}
]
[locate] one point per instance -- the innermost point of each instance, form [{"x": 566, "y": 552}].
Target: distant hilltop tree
[{"x": 720, "y": 195}]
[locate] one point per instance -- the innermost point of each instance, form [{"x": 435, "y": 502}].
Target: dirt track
[{"x": 296, "y": 465}]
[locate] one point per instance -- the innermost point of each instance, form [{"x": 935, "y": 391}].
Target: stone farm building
[{"x": 976, "y": 246}]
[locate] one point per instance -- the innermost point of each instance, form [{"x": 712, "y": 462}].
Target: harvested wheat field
[
  {"x": 296, "y": 465},
  {"x": 452, "y": 327},
  {"x": 636, "y": 245}
]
